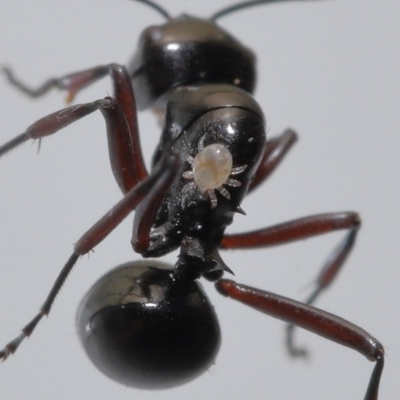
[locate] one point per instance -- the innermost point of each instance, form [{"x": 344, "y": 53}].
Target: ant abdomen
[{"x": 144, "y": 328}]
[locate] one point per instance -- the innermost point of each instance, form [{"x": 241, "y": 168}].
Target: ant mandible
[{"x": 147, "y": 324}]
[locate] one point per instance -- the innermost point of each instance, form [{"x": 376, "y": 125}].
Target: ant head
[{"x": 188, "y": 51}]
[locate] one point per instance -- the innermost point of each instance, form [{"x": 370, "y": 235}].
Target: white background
[{"x": 329, "y": 69}]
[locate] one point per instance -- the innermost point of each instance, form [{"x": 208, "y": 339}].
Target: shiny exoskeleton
[
  {"x": 150, "y": 325},
  {"x": 141, "y": 333},
  {"x": 194, "y": 115},
  {"x": 178, "y": 53}
]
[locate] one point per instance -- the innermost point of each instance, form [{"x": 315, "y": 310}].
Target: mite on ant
[{"x": 147, "y": 324}]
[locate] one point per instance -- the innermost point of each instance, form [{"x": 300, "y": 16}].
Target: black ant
[{"x": 212, "y": 151}]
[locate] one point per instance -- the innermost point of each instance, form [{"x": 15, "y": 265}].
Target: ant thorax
[{"x": 219, "y": 131}]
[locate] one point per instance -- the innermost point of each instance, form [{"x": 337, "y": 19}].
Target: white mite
[{"x": 212, "y": 168}]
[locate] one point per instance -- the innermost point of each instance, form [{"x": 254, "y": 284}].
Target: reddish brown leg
[
  {"x": 314, "y": 320},
  {"x": 300, "y": 229},
  {"x": 124, "y": 144},
  {"x": 53, "y": 123},
  {"x": 73, "y": 83},
  {"x": 275, "y": 150},
  {"x": 123, "y": 136},
  {"x": 159, "y": 181},
  {"x": 145, "y": 216}
]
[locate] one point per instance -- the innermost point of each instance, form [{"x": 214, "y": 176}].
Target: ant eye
[{"x": 212, "y": 167}]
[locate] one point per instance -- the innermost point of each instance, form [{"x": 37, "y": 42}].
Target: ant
[{"x": 147, "y": 324}]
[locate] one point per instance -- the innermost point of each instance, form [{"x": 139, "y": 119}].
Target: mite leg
[
  {"x": 162, "y": 177},
  {"x": 300, "y": 229},
  {"x": 275, "y": 151},
  {"x": 314, "y": 320}
]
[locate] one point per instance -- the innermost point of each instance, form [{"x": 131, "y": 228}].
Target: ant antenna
[
  {"x": 156, "y": 7},
  {"x": 244, "y": 4}
]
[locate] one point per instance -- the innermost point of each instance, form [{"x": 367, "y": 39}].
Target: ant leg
[
  {"x": 52, "y": 123},
  {"x": 145, "y": 216},
  {"x": 72, "y": 82},
  {"x": 123, "y": 135},
  {"x": 123, "y": 164},
  {"x": 314, "y": 320},
  {"x": 301, "y": 229},
  {"x": 160, "y": 180},
  {"x": 275, "y": 150}
]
